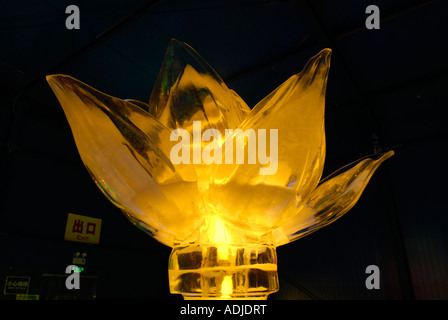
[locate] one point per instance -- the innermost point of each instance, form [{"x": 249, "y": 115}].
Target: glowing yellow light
[
  {"x": 227, "y": 287},
  {"x": 217, "y": 231},
  {"x": 224, "y": 220}
]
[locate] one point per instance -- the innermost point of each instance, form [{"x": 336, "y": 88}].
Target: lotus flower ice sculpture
[{"x": 223, "y": 219}]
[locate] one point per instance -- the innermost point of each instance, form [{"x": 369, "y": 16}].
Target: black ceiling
[{"x": 387, "y": 89}]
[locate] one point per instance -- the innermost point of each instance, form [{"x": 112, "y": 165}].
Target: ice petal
[
  {"x": 116, "y": 142},
  {"x": 188, "y": 89},
  {"x": 296, "y": 110},
  {"x": 334, "y": 196}
]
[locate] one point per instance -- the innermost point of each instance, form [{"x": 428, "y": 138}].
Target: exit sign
[{"x": 82, "y": 229}]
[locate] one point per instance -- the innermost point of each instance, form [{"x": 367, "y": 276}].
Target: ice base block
[{"x": 223, "y": 271}]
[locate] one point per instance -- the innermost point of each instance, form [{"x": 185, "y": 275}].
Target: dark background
[{"x": 387, "y": 90}]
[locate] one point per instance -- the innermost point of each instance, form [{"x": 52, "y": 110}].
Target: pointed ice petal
[
  {"x": 115, "y": 140},
  {"x": 188, "y": 89},
  {"x": 296, "y": 110},
  {"x": 334, "y": 196}
]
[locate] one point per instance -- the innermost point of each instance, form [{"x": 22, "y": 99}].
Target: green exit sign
[{"x": 77, "y": 269}]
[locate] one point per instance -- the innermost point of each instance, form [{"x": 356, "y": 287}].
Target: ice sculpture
[{"x": 222, "y": 219}]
